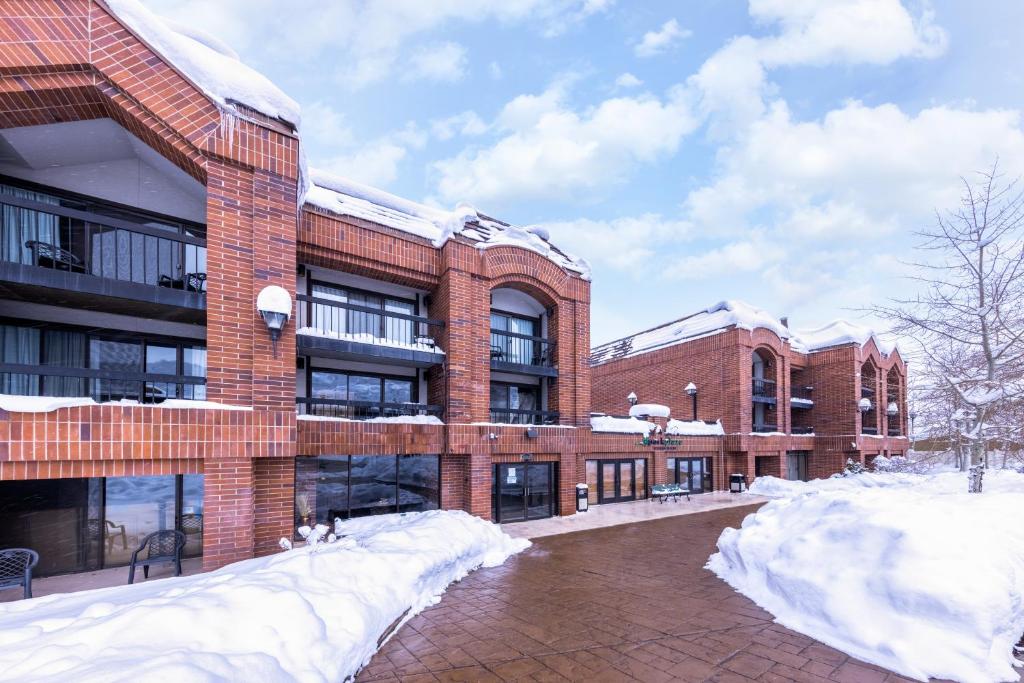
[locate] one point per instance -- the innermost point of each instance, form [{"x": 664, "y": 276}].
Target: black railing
[
  {"x": 803, "y": 392},
  {"x": 869, "y": 430},
  {"x": 529, "y": 417},
  {"x": 765, "y": 428},
  {"x": 338, "y": 320},
  {"x": 74, "y": 241},
  {"x": 895, "y": 431},
  {"x": 100, "y": 385},
  {"x": 521, "y": 349},
  {"x": 362, "y": 410},
  {"x": 763, "y": 388},
  {"x": 802, "y": 430}
]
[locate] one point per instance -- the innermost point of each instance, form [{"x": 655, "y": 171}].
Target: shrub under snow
[
  {"x": 909, "y": 572},
  {"x": 312, "y": 614}
]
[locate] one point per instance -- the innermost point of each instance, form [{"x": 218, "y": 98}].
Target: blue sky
[{"x": 776, "y": 151}]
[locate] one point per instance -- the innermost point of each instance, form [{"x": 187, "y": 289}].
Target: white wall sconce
[{"x": 274, "y": 305}]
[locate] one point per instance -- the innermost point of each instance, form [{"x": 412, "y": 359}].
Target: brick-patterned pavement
[{"x": 624, "y": 603}]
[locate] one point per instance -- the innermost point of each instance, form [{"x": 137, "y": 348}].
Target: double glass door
[
  {"x": 690, "y": 473},
  {"x": 523, "y": 490},
  {"x": 620, "y": 480}
]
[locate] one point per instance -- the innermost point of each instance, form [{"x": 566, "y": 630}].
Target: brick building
[
  {"x": 791, "y": 404},
  {"x": 152, "y": 187}
]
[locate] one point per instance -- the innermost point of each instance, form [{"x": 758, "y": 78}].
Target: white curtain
[
  {"x": 24, "y": 225},
  {"x": 19, "y": 345}
]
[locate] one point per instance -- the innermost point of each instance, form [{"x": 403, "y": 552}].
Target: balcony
[
  {"x": 894, "y": 431},
  {"x": 869, "y": 430},
  {"x": 527, "y": 417},
  {"x": 802, "y": 430},
  {"x": 363, "y": 410},
  {"x": 765, "y": 428},
  {"x": 345, "y": 331},
  {"x": 62, "y": 255},
  {"x": 801, "y": 397},
  {"x": 523, "y": 354},
  {"x": 102, "y": 385},
  {"x": 763, "y": 390}
]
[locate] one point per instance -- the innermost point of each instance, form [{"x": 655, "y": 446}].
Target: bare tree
[{"x": 968, "y": 317}]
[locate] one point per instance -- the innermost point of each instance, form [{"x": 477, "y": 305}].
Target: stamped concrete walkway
[{"x": 621, "y": 603}]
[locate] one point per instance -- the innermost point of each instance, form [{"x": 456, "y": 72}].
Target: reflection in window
[
  {"x": 330, "y": 487},
  {"x": 137, "y": 506}
]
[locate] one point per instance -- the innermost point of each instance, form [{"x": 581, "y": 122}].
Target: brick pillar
[
  {"x": 568, "y": 477},
  {"x": 454, "y": 479},
  {"x": 463, "y": 301},
  {"x": 228, "y": 511},
  {"x": 274, "y": 502},
  {"x": 479, "y": 473},
  {"x": 660, "y": 473},
  {"x": 569, "y": 325}
]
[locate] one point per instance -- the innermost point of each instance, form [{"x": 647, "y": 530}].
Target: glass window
[
  {"x": 191, "y": 515},
  {"x": 162, "y": 360},
  {"x": 372, "y": 485},
  {"x": 19, "y": 345},
  {"x": 499, "y": 322},
  {"x": 137, "y": 506},
  {"x": 118, "y": 356},
  {"x": 194, "y": 365},
  {"x": 64, "y": 349},
  {"x": 419, "y": 484},
  {"x": 397, "y": 391},
  {"x": 670, "y": 465},
  {"x": 592, "y": 482},
  {"x": 364, "y": 388},
  {"x": 399, "y": 329},
  {"x": 329, "y": 385},
  {"x": 499, "y": 396},
  {"x": 640, "y": 482}
]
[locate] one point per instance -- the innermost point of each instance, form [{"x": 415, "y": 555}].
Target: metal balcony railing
[
  {"x": 895, "y": 431},
  {"x": 521, "y": 349},
  {"x": 802, "y": 430},
  {"x": 338, "y": 320},
  {"x": 765, "y": 428},
  {"x": 763, "y": 388},
  {"x": 362, "y": 410},
  {"x": 869, "y": 430},
  {"x": 100, "y": 385},
  {"x": 802, "y": 392},
  {"x": 529, "y": 417},
  {"x": 75, "y": 241}
]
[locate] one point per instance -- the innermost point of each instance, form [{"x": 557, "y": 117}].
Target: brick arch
[
  {"x": 545, "y": 295},
  {"x": 511, "y": 264}
]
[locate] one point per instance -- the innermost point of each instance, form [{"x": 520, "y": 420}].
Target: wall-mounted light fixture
[
  {"x": 632, "y": 398},
  {"x": 864, "y": 405},
  {"x": 691, "y": 389},
  {"x": 275, "y": 307},
  {"x": 531, "y": 433}
]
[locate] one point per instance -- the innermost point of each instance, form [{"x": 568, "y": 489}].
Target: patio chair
[
  {"x": 16, "y": 566},
  {"x": 51, "y": 256},
  {"x": 110, "y": 532},
  {"x": 497, "y": 353},
  {"x": 162, "y": 547}
]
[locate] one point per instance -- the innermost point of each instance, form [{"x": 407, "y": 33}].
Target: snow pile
[
  {"x": 621, "y": 425},
  {"x": 906, "y": 571},
  {"x": 649, "y": 410},
  {"x": 694, "y": 428},
  {"x": 13, "y": 403},
  {"x": 397, "y": 419},
  {"x": 207, "y": 62},
  {"x": 367, "y": 338},
  {"x": 312, "y": 614},
  {"x": 838, "y": 333},
  {"x": 346, "y": 197}
]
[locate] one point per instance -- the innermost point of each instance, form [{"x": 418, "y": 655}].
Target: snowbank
[
  {"x": 13, "y": 403},
  {"x": 649, "y": 410},
  {"x": 304, "y": 615},
  {"x": 694, "y": 428},
  {"x": 621, "y": 425},
  {"x": 906, "y": 571}
]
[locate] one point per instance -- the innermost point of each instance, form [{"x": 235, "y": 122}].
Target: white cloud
[
  {"x": 376, "y": 162},
  {"x": 443, "y": 62},
  {"x": 747, "y": 255},
  {"x": 550, "y": 150},
  {"x": 628, "y": 80},
  {"x": 656, "y": 42},
  {"x": 467, "y": 123},
  {"x": 370, "y": 36},
  {"x": 621, "y": 243}
]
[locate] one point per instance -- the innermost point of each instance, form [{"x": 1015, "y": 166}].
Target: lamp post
[
  {"x": 691, "y": 389},
  {"x": 274, "y": 305},
  {"x": 912, "y": 417}
]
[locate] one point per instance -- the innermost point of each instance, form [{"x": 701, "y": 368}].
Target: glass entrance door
[
  {"x": 523, "y": 491},
  {"x": 621, "y": 480},
  {"x": 691, "y": 473}
]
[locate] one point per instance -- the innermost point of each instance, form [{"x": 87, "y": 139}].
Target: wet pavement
[{"x": 621, "y": 603}]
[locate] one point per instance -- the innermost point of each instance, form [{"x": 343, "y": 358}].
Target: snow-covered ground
[
  {"x": 907, "y": 571},
  {"x": 304, "y": 615}
]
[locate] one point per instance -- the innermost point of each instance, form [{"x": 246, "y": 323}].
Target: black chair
[
  {"x": 164, "y": 547},
  {"x": 497, "y": 353},
  {"x": 16, "y": 566}
]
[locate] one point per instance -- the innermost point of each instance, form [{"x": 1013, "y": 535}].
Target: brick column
[
  {"x": 274, "y": 502},
  {"x": 567, "y": 480},
  {"x": 479, "y": 473},
  {"x": 228, "y": 511}
]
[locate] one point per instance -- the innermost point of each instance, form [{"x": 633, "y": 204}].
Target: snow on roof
[
  {"x": 649, "y": 410},
  {"x": 621, "y": 425},
  {"x": 207, "y": 62},
  {"x": 14, "y": 403},
  {"x": 694, "y": 428},
  {"x": 346, "y": 197},
  {"x": 735, "y": 314}
]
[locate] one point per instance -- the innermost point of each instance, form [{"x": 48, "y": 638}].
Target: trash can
[
  {"x": 581, "y": 497},
  {"x": 737, "y": 483}
]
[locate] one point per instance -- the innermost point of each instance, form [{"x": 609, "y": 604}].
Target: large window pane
[
  {"x": 64, "y": 349},
  {"x": 162, "y": 360},
  {"x": 640, "y": 483},
  {"x": 191, "y": 517},
  {"x": 117, "y": 356},
  {"x": 19, "y": 345},
  {"x": 398, "y": 329},
  {"x": 136, "y": 507},
  {"x": 373, "y": 481},
  {"x": 592, "y": 482},
  {"x": 194, "y": 365},
  {"x": 419, "y": 485},
  {"x": 51, "y": 517},
  {"x": 397, "y": 391},
  {"x": 499, "y": 396},
  {"x": 673, "y": 474},
  {"x": 321, "y": 489}
]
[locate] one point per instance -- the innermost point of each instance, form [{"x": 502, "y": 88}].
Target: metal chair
[
  {"x": 16, "y": 566},
  {"x": 164, "y": 547}
]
